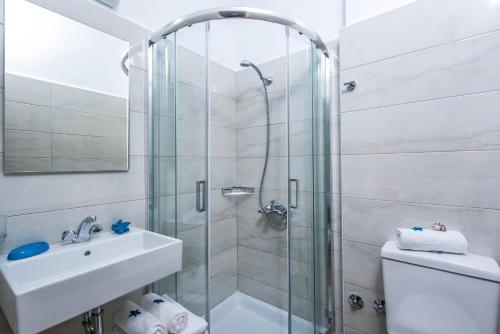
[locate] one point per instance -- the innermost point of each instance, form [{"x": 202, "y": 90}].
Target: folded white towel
[
  {"x": 133, "y": 319},
  {"x": 430, "y": 240},
  {"x": 196, "y": 325},
  {"x": 171, "y": 314}
]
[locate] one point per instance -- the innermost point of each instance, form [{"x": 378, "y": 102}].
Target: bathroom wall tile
[
  {"x": 193, "y": 248},
  {"x": 266, "y": 293},
  {"x": 138, "y": 83},
  {"x": 452, "y": 178},
  {"x": 223, "y": 111},
  {"x": 192, "y": 282},
  {"x": 191, "y": 102},
  {"x": 223, "y": 235},
  {"x": 263, "y": 267},
  {"x": 223, "y": 80},
  {"x": 35, "y": 193},
  {"x": 82, "y": 123},
  {"x": 190, "y": 65},
  {"x": 259, "y": 235},
  {"x": 365, "y": 319},
  {"x": 76, "y": 99},
  {"x": 419, "y": 26},
  {"x": 27, "y": 144},
  {"x": 190, "y": 139},
  {"x": 362, "y": 265},
  {"x": 137, "y": 136},
  {"x": 82, "y": 147},
  {"x": 189, "y": 171},
  {"x": 336, "y": 213},
  {"x": 219, "y": 293},
  {"x": 223, "y": 143},
  {"x": 48, "y": 226},
  {"x": 27, "y": 90},
  {"x": 223, "y": 207},
  {"x": 223, "y": 172},
  {"x": 350, "y": 330},
  {"x": 252, "y": 110},
  {"x": 187, "y": 215},
  {"x": 464, "y": 67},
  {"x": 425, "y": 126},
  {"x": 29, "y": 117},
  {"x": 374, "y": 222},
  {"x": 252, "y": 141},
  {"x": 276, "y": 177},
  {"x": 223, "y": 266}
]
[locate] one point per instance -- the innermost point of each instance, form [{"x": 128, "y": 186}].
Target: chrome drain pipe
[{"x": 93, "y": 322}]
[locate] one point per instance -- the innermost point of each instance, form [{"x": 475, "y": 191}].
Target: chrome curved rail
[
  {"x": 238, "y": 13},
  {"x": 123, "y": 63}
]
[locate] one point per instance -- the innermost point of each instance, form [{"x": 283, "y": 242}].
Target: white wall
[
  {"x": 359, "y": 10},
  {"x": 62, "y": 51}
]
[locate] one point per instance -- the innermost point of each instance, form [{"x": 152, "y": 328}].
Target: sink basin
[{"x": 69, "y": 279}]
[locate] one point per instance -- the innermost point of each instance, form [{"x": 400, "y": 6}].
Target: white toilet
[{"x": 432, "y": 293}]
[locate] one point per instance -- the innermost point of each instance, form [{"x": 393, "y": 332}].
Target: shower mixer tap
[{"x": 276, "y": 213}]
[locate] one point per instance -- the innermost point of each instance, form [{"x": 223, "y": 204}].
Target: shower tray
[{"x": 237, "y": 191}]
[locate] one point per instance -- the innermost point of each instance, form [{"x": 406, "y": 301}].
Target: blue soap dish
[{"x": 28, "y": 250}]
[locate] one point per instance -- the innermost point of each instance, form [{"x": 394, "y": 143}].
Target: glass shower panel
[
  {"x": 179, "y": 180},
  {"x": 191, "y": 165},
  {"x": 323, "y": 282},
  {"x": 162, "y": 149},
  {"x": 301, "y": 188}
]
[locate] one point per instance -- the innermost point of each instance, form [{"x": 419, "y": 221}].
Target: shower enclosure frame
[{"x": 316, "y": 42}]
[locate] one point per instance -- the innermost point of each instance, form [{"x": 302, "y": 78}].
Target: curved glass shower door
[
  {"x": 179, "y": 181},
  {"x": 239, "y": 171}
]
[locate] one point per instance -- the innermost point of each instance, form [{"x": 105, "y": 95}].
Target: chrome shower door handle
[
  {"x": 200, "y": 196},
  {"x": 297, "y": 191}
]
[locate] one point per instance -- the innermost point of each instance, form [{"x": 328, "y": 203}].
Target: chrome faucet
[{"x": 86, "y": 230}]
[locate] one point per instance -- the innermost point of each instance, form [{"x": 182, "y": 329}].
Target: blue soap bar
[{"x": 28, "y": 250}]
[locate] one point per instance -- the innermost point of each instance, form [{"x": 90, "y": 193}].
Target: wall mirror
[{"x": 66, "y": 95}]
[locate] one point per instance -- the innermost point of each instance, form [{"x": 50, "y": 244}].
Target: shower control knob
[
  {"x": 379, "y": 305},
  {"x": 356, "y": 302},
  {"x": 350, "y": 85}
]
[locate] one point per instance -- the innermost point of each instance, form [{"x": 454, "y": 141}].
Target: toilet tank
[{"x": 438, "y": 293}]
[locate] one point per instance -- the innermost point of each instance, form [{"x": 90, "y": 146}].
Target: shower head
[{"x": 247, "y": 63}]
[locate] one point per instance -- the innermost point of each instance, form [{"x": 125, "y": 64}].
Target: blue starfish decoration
[
  {"x": 158, "y": 301},
  {"x": 134, "y": 313},
  {"x": 416, "y": 228}
]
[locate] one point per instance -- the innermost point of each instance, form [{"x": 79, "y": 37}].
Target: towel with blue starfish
[
  {"x": 423, "y": 239},
  {"x": 172, "y": 315},
  {"x": 133, "y": 319}
]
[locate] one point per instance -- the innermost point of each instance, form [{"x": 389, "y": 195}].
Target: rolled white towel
[
  {"x": 196, "y": 325},
  {"x": 171, "y": 314},
  {"x": 133, "y": 319},
  {"x": 430, "y": 240}
]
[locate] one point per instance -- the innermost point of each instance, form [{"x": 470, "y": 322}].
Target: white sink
[{"x": 42, "y": 291}]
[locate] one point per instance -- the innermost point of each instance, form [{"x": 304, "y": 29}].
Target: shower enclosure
[{"x": 240, "y": 169}]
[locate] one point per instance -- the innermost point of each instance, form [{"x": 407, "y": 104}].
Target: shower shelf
[{"x": 237, "y": 191}]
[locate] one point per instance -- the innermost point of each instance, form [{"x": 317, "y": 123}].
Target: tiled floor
[{"x": 243, "y": 314}]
